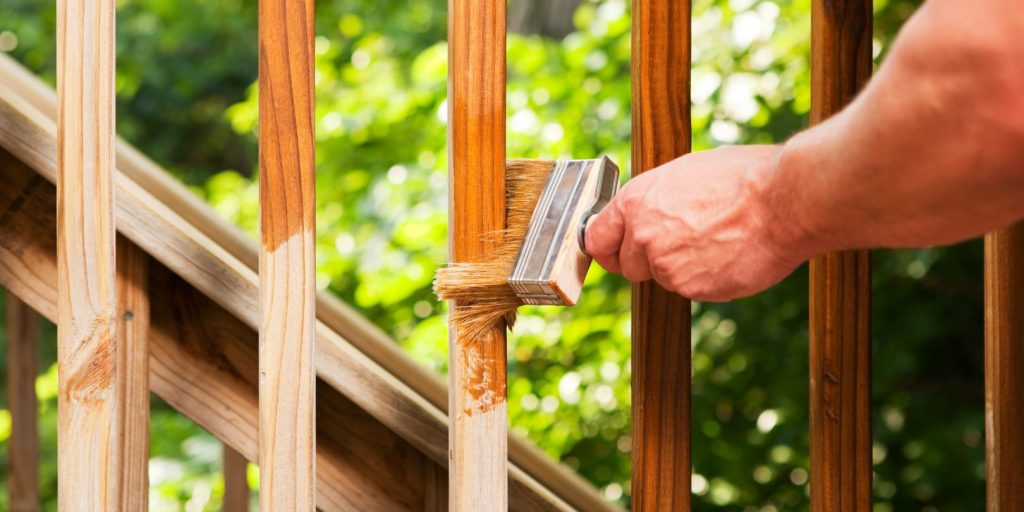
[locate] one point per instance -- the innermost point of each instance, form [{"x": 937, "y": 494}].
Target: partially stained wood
[
  {"x": 840, "y": 287},
  {"x": 477, "y": 443},
  {"x": 133, "y": 373},
  {"x": 203, "y": 362},
  {"x": 27, "y": 110},
  {"x": 661, "y": 319},
  {"x": 1004, "y": 357},
  {"x": 288, "y": 256},
  {"x": 88, "y": 454},
  {"x": 22, "y": 368}
]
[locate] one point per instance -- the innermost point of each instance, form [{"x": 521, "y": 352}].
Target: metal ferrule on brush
[{"x": 552, "y": 261}]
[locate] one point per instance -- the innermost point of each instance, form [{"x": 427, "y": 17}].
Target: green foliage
[{"x": 186, "y": 96}]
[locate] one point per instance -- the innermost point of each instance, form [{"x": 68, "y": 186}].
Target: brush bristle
[{"x": 480, "y": 294}]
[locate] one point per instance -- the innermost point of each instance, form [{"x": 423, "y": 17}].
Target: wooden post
[
  {"x": 840, "y": 287},
  {"x": 89, "y": 455},
  {"x": 478, "y": 438},
  {"x": 236, "y": 485},
  {"x": 22, "y": 369},
  {"x": 661, "y": 319},
  {"x": 1004, "y": 356},
  {"x": 133, "y": 373},
  {"x": 287, "y": 452}
]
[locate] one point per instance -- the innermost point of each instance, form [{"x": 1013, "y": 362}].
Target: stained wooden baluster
[
  {"x": 840, "y": 287},
  {"x": 1004, "y": 357},
  {"x": 236, "y": 486},
  {"x": 133, "y": 373},
  {"x": 22, "y": 369},
  {"x": 661, "y": 319},
  {"x": 89, "y": 455},
  {"x": 477, "y": 441},
  {"x": 288, "y": 258}
]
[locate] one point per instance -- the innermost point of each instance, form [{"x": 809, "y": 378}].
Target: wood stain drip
[{"x": 482, "y": 299}]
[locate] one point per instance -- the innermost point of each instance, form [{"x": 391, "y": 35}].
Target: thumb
[{"x": 605, "y": 232}]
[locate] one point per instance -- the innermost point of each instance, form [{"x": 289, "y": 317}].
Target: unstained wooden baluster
[
  {"x": 22, "y": 369},
  {"x": 88, "y": 454}
]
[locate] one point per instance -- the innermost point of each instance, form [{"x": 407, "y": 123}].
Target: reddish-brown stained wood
[
  {"x": 1004, "y": 358},
  {"x": 133, "y": 374},
  {"x": 288, "y": 259},
  {"x": 840, "y": 287},
  {"x": 236, "y": 486},
  {"x": 88, "y": 453},
  {"x": 661, "y": 319},
  {"x": 153, "y": 214},
  {"x": 22, "y": 369},
  {"x": 478, "y": 439},
  {"x": 186, "y": 380},
  {"x": 203, "y": 362}
]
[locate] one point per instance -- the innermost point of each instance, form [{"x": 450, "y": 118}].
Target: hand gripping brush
[{"x": 542, "y": 258}]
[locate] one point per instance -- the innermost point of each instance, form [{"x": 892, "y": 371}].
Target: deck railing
[
  {"x": 840, "y": 283},
  {"x": 103, "y": 309}
]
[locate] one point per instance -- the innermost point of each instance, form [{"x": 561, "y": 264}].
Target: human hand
[{"x": 703, "y": 226}]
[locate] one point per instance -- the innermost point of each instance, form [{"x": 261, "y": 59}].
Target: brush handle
[
  {"x": 552, "y": 263},
  {"x": 607, "y": 185}
]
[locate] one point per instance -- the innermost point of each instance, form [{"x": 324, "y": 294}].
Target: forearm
[{"x": 931, "y": 152}]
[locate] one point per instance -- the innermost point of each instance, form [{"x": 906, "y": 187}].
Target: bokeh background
[{"x": 186, "y": 96}]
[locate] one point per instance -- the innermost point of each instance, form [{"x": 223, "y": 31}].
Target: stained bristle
[{"x": 480, "y": 294}]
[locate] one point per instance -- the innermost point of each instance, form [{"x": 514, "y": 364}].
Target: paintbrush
[{"x": 542, "y": 257}]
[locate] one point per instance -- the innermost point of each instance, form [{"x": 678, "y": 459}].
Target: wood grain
[
  {"x": 661, "y": 319},
  {"x": 26, "y": 111},
  {"x": 22, "y": 370},
  {"x": 203, "y": 362},
  {"x": 1004, "y": 357},
  {"x": 236, "y": 485},
  {"x": 348, "y": 361},
  {"x": 133, "y": 373},
  {"x": 478, "y": 449},
  {"x": 288, "y": 259},
  {"x": 89, "y": 455},
  {"x": 840, "y": 287}
]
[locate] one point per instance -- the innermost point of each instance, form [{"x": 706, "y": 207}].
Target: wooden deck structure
[{"x": 338, "y": 417}]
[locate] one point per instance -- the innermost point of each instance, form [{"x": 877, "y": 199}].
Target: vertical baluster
[
  {"x": 133, "y": 373},
  {"x": 22, "y": 369},
  {"x": 840, "y": 287},
  {"x": 478, "y": 451},
  {"x": 288, "y": 256},
  {"x": 661, "y": 319},
  {"x": 236, "y": 485},
  {"x": 89, "y": 456},
  {"x": 1004, "y": 357}
]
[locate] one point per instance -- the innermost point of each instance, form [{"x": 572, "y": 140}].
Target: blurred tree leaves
[{"x": 187, "y": 97}]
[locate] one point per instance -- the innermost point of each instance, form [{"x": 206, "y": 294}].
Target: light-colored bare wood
[
  {"x": 88, "y": 453},
  {"x": 477, "y": 441},
  {"x": 661, "y": 319},
  {"x": 133, "y": 374},
  {"x": 334, "y": 313},
  {"x": 22, "y": 369},
  {"x": 236, "y": 485},
  {"x": 205, "y": 264},
  {"x": 1004, "y": 357},
  {"x": 203, "y": 362},
  {"x": 840, "y": 287},
  {"x": 288, "y": 259}
]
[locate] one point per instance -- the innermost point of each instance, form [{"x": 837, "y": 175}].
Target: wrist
[{"x": 792, "y": 223}]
